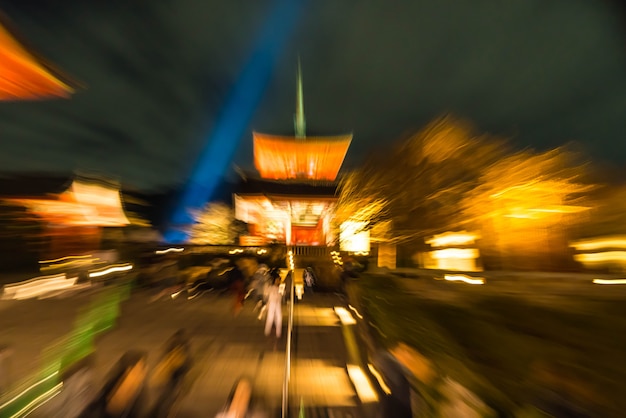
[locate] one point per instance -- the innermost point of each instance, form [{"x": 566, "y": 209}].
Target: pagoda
[
  {"x": 292, "y": 198},
  {"x": 22, "y": 75}
]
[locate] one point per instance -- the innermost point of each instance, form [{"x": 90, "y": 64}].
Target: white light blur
[
  {"x": 170, "y": 250},
  {"x": 112, "y": 269},
  {"x": 363, "y": 387},
  {"x": 378, "y": 377},
  {"x": 344, "y": 316},
  {"x": 463, "y": 278},
  {"x": 609, "y": 281}
]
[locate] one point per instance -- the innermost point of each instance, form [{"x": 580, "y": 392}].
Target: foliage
[
  {"x": 448, "y": 178},
  {"x": 527, "y": 202},
  {"x": 417, "y": 185},
  {"x": 215, "y": 225},
  {"x": 492, "y": 345}
]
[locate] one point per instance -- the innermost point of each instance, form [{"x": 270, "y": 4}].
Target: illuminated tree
[
  {"x": 527, "y": 203},
  {"x": 214, "y": 225},
  {"x": 414, "y": 189}
]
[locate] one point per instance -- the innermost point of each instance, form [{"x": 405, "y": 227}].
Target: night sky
[{"x": 154, "y": 75}]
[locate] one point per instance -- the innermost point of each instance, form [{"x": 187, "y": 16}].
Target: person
[
  {"x": 308, "y": 279},
  {"x": 238, "y": 287},
  {"x": 260, "y": 280},
  {"x": 274, "y": 309}
]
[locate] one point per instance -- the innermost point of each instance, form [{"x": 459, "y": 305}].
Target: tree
[
  {"x": 214, "y": 225},
  {"x": 415, "y": 188},
  {"x": 526, "y": 204}
]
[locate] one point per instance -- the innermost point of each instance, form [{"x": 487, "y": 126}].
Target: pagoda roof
[
  {"x": 282, "y": 157},
  {"x": 24, "y": 77},
  {"x": 254, "y": 185}
]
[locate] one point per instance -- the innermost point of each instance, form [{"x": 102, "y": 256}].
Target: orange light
[
  {"x": 22, "y": 77},
  {"x": 286, "y": 157}
]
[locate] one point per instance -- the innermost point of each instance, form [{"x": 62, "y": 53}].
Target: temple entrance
[{"x": 307, "y": 235}]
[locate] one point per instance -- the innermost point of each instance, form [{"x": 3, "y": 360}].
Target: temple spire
[{"x": 299, "y": 122}]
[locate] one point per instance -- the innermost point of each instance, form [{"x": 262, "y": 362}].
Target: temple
[
  {"x": 292, "y": 198},
  {"x": 23, "y": 76}
]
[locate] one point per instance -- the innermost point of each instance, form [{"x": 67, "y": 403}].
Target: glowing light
[
  {"x": 609, "y": 281},
  {"x": 112, "y": 269},
  {"x": 64, "y": 258},
  {"x": 599, "y": 243},
  {"x": 452, "y": 238},
  {"x": 455, "y": 253},
  {"x": 285, "y": 157},
  {"x": 379, "y": 378},
  {"x": 344, "y": 316},
  {"x": 235, "y": 117},
  {"x": 463, "y": 278},
  {"x": 363, "y": 387},
  {"x": 37, "y": 286},
  {"x": 355, "y": 311},
  {"x": 170, "y": 250},
  {"x": 353, "y": 237},
  {"x": 235, "y": 251},
  {"x": 23, "y": 78},
  {"x": 601, "y": 257}
]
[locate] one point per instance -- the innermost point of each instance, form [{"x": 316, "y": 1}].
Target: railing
[
  {"x": 310, "y": 251},
  {"x": 287, "y": 377}
]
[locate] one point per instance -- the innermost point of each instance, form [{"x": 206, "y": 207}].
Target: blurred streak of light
[
  {"x": 292, "y": 265},
  {"x": 456, "y": 253},
  {"x": 69, "y": 263},
  {"x": 363, "y": 387},
  {"x": 111, "y": 269},
  {"x": 235, "y": 251},
  {"x": 170, "y": 250},
  {"x": 38, "y": 286},
  {"x": 452, "y": 238},
  {"x": 377, "y": 328},
  {"x": 23, "y": 392},
  {"x": 235, "y": 117},
  {"x": 355, "y": 311},
  {"x": 601, "y": 257},
  {"x": 344, "y": 316},
  {"x": 261, "y": 251},
  {"x": 609, "y": 281},
  {"x": 64, "y": 258},
  {"x": 8, "y": 408},
  {"x": 595, "y": 244},
  {"x": 38, "y": 401},
  {"x": 379, "y": 378},
  {"x": 463, "y": 278},
  {"x": 22, "y": 77}
]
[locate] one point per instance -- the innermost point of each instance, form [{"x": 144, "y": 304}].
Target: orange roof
[
  {"x": 22, "y": 77},
  {"x": 286, "y": 157}
]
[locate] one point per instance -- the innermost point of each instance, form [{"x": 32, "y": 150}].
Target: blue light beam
[{"x": 234, "y": 119}]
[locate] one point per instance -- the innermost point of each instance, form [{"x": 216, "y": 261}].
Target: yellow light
[
  {"x": 455, "y": 253},
  {"x": 463, "y": 278},
  {"x": 600, "y": 257},
  {"x": 344, "y": 316},
  {"x": 170, "y": 250},
  {"x": 112, "y": 269},
  {"x": 609, "y": 281},
  {"x": 64, "y": 258},
  {"x": 452, "y": 238},
  {"x": 353, "y": 237},
  {"x": 363, "y": 387},
  {"x": 379, "y": 378},
  {"x": 599, "y": 243}
]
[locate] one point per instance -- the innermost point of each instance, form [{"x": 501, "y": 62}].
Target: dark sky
[{"x": 156, "y": 73}]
